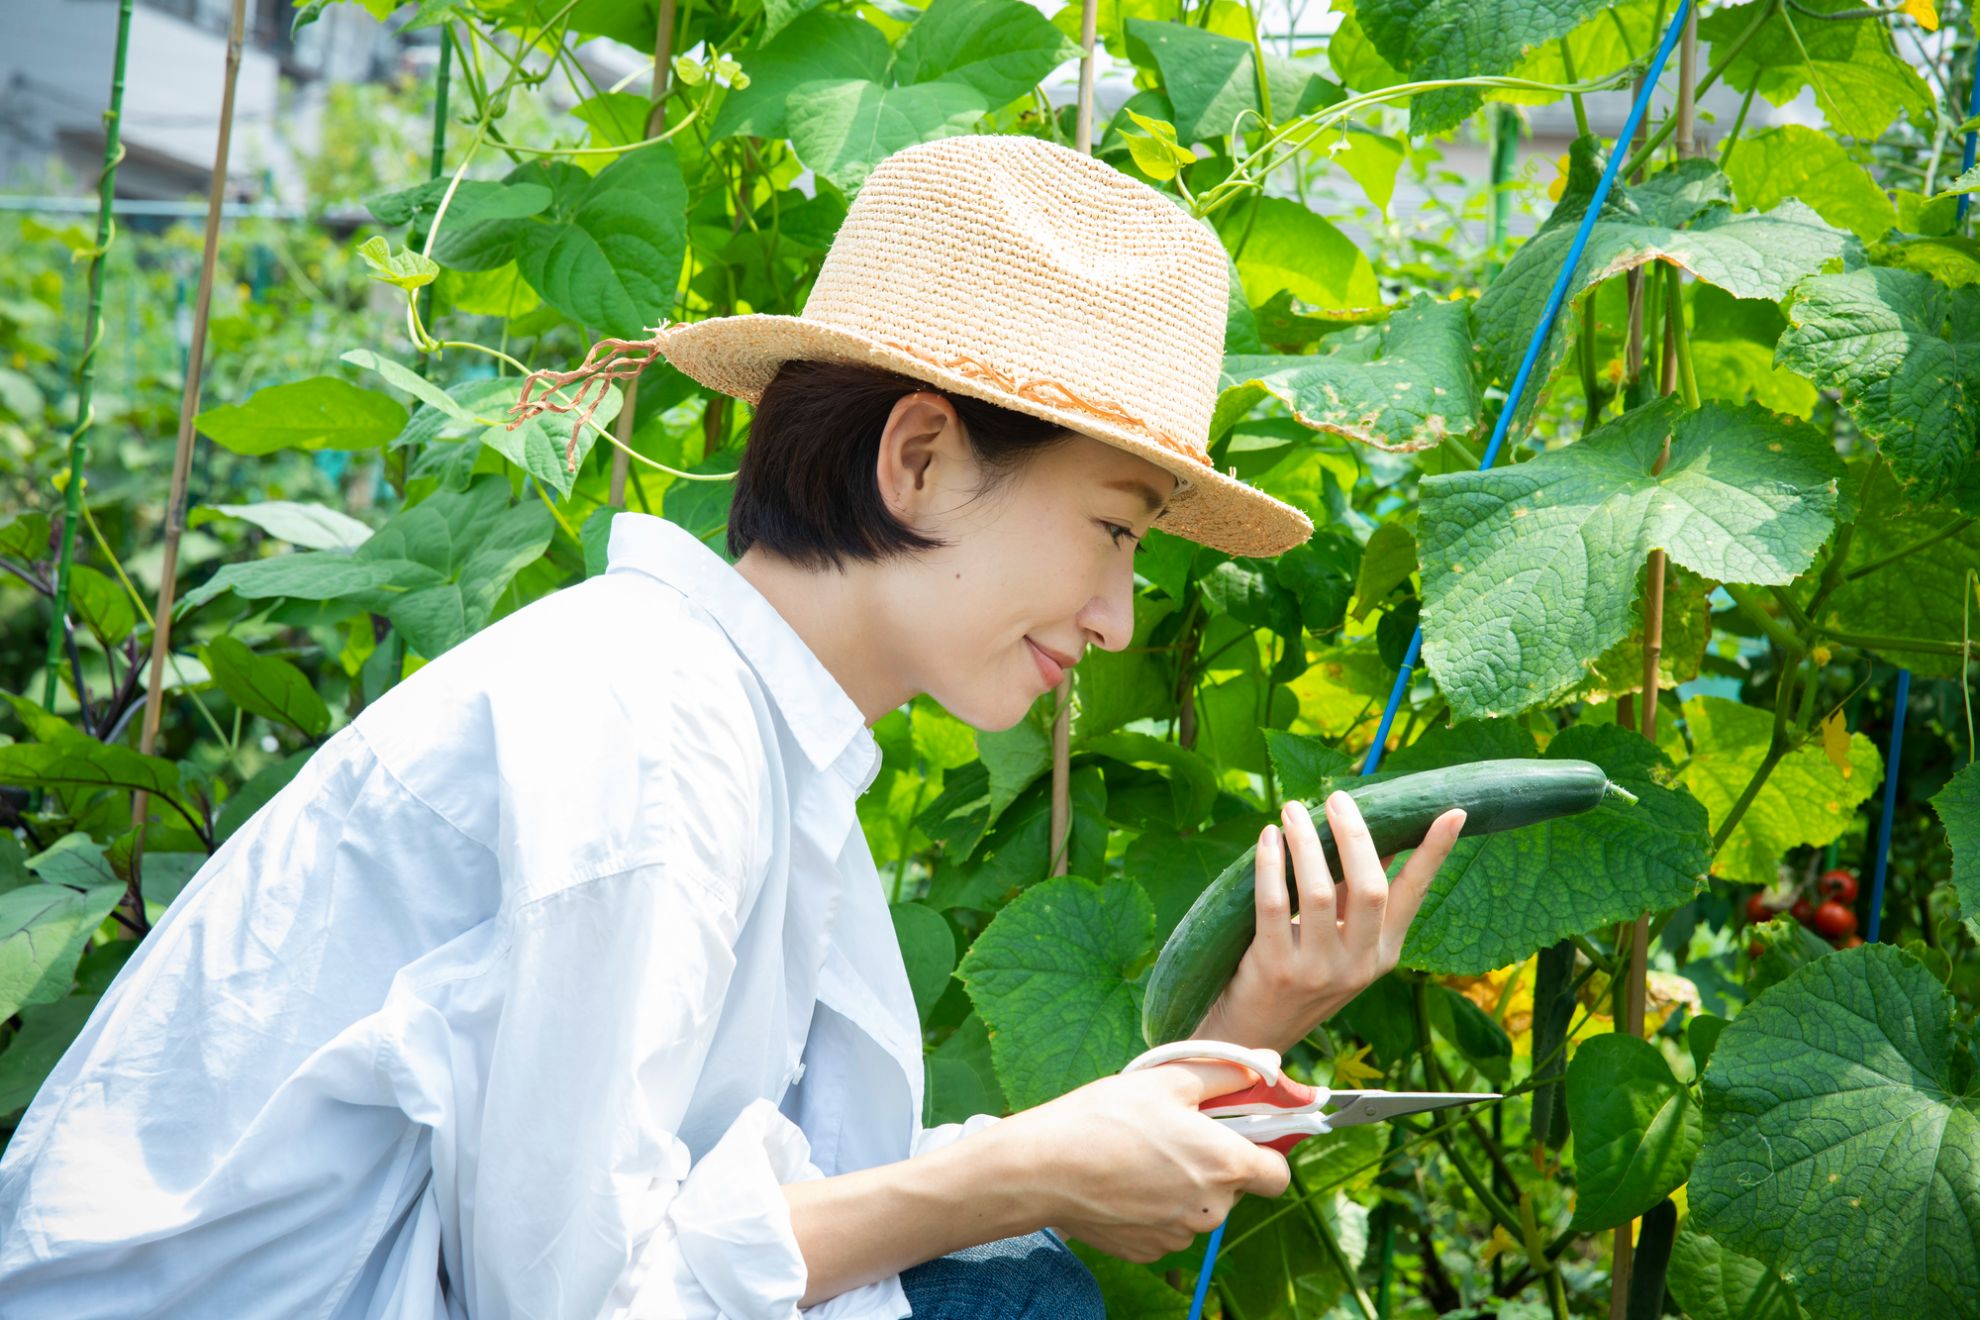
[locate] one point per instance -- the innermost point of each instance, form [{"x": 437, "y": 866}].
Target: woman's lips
[{"x": 1052, "y": 670}]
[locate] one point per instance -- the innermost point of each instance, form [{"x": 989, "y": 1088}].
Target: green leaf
[
  {"x": 1860, "y": 81},
  {"x": 1958, "y": 808},
  {"x": 1372, "y": 160},
  {"x": 1806, "y": 800},
  {"x": 1793, "y": 160},
  {"x": 1295, "y": 250},
  {"x": 1920, "y": 595},
  {"x": 1386, "y": 563},
  {"x": 843, "y": 127},
  {"x": 1636, "y": 1130},
  {"x": 614, "y": 262},
  {"x": 538, "y": 446},
  {"x": 312, "y": 526},
  {"x": 102, "y": 604},
  {"x": 1212, "y": 78},
  {"x": 317, "y": 412},
  {"x": 1687, "y": 627},
  {"x": 818, "y": 45},
  {"x": 404, "y": 269},
  {"x": 1404, "y": 384},
  {"x": 1732, "y": 352},
  {"x": 474, "y": 201},
  {"x": 43, "y": 929},
  {"x": 1786, "y": 946},
  {"x": 1173, "y": 871},
  {"x": 307, "y": 575},
  {"x": 1304, "y": 764},
  {"x": 1530, "y": 570},
  {"x": 1499, "y": 897},
  {"x": 1712, "y": 1282},
  {"x": 266, "y": 685},
  {"x": 1430, "y": 39},
  {"x": 85, "y": 763},
  {"x": 928, "y": 947},
  {"x": 1902, "y": 349},
  {"x": 1482, "y": 1041},
  {"x": 25, "y": 536},
  {"x": 34, "y": 1050},
  {"x": 961, "y": 1079},
  {"x": 1190, "y": 781},
  {"x": 407, "y": 379},
  {"x": 1755, "y": 255},
  {"x": 1842, "y": 1146},
  {"x": 74, "y": 860},
  {"x": 1002, "y": 48},
  {"x": 1050, "y": 976}
]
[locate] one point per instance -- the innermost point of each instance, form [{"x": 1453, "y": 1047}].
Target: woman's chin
[{"x": 986, "y": 712}]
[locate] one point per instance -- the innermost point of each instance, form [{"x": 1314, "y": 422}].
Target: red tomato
[
  {"x": 1849, "y": 942},
  {"x": 1756, "y": 907},
  {"x": 1839, "y": 884},
  {"x": 1754, "y": 948},
  {"x": 1835, "y": 920},
  {"x": 1804, "y": 911}
]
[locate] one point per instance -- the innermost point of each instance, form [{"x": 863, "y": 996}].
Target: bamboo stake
[
  {"x": 656, "y": 121},
  {"x": 175, "y": 502},
  {"x": 1636, "y": 991},
  {"x": 60, "y": 628},
  {"x": 1089, "y": 25}
]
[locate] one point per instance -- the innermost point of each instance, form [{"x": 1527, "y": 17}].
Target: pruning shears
[{"x": 1279, "y": 1112}]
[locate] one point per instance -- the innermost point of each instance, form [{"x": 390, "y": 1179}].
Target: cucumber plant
[{"x": 1745, "y": 469}]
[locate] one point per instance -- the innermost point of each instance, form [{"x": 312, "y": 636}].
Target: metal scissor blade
[{"x": 1353, "y": 1108}]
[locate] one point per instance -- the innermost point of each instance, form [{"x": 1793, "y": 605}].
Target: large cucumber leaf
[
  {"x": 1902, "y": 349},
  {"x": 1680, "y": 216},
  {"x": 1429, "y": 39},
  {"x": 1050, "y": 976},
  {"x": 1860, "y": 81},
  {"x": 1794, "y": 160},
  {"x": 1530, "y": 570},
  {"x": 1713, "y": 1282},
  {"x": 1842, "y": 1141},
  {"x": 1499, "y": 897},
  {"x": 1806, "y": 800}
]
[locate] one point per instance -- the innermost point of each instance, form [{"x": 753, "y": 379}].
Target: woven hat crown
[{"x": 1051, "y": 269}]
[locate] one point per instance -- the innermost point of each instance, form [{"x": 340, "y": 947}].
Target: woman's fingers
[
  {"x": 1366, "y": 884},
  {"x": 1270, "y": 897},
  {"x": 1406, "y": 895},
  {"x": 1317, "y": 929}
]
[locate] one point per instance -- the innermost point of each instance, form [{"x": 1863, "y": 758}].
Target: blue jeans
[{"x": 1031, "y": 1277}]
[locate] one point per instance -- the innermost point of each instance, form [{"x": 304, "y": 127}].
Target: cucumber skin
[{"x": 1202, "y": 953}]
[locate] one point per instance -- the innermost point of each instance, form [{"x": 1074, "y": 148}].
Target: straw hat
[{"x": 1035, "y": 277}]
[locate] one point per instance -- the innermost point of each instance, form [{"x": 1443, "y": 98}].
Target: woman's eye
[{"x": 1116, "y": 531}]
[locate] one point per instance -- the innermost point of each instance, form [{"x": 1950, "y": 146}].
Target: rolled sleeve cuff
[{"x": 732, "y": 1224}]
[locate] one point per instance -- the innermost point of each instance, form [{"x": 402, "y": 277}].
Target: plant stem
[
  {"x": 1567, "y": 71},
  {"x": 106, "y": 187},
  {"x": 1732, "y": 52},
  {"x": 1321, "y": 1230},
  {"x": 1953, "y": 528}
]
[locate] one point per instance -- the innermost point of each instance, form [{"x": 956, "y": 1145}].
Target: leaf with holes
[
  {"x": 1904, "y": 351},
  {"x": 1404, "y": 384}
]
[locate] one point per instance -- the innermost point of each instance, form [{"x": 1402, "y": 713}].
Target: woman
[{"x": 560, "y": 983}]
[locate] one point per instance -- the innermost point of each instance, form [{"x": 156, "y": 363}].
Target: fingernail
[
  {"x": 1271, "y": 836},
  {"x": 1286, "y": 810}
]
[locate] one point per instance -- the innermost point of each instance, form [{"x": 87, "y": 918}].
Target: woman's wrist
[{"x": 1013, "y": 1176}]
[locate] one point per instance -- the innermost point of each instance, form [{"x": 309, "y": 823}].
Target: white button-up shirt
[{"x": 521, "y": 999}]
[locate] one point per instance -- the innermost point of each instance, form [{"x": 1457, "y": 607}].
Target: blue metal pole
[{"x": 1890, "y": 802}]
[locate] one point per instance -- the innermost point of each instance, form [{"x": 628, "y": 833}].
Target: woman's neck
[{"x": 833, "y": 612}]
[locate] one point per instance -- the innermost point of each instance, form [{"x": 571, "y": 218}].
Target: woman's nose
[{"x": 1108, "y": 617}]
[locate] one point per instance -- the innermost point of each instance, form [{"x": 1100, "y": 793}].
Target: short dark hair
[{"x": 806, "y": 489}]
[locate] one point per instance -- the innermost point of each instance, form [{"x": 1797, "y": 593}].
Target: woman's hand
[
  {"x": 1300, "y": 970},
  {"x": 1128, "y": 1164}
]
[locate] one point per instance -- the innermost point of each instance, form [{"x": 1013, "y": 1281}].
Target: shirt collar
[{"x": 827, "y": 723}]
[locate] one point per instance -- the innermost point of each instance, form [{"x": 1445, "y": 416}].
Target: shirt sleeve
[
  {"x": 945, "y": 1134},
  {"x": 584, "y": 1201}
]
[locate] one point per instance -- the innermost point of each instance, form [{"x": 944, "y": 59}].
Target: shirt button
[{"x": 796, "y": 1073}]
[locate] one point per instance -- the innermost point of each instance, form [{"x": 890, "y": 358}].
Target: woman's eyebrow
[{"x": 1134, "y": 486}]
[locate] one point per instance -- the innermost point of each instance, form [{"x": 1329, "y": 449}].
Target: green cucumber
[{"x": 1203, "y": 952}]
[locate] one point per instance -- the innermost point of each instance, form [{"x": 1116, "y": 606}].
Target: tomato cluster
[{"x": 1831, "y": 915}]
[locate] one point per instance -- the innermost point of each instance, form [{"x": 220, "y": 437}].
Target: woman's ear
[{"x": 920, "y": 453}]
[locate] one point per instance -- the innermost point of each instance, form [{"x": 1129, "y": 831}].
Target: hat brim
[{"x": 740, "y": 355}]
